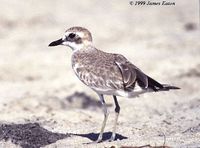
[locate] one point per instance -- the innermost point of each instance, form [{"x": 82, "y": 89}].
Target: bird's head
[{"x": 75, "y": 37}]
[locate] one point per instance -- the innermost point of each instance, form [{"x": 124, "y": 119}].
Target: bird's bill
[{"x": 56, "y": 43}]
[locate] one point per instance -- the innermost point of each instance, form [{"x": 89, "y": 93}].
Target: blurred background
[{"x": 37, "y": 83}]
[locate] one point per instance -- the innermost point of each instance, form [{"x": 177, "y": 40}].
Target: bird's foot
[
  {"x": 99, "y": 139},
  {"x": 112, "y": 138}
]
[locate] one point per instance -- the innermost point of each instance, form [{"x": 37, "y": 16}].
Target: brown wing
[
  {"x": 130, "y": 73},
  {"x": 105, "y": 76},
  {"x": 113, "y": 72},
  {"x": 97, "y": 69}
]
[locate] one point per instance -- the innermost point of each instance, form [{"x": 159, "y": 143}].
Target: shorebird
[{"x": 106, "y": 73}]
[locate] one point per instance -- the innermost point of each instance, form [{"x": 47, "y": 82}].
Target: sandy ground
[{"x": 43, "y": 104}]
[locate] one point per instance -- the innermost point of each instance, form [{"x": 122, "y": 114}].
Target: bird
[{"x": 106, "y": 73}]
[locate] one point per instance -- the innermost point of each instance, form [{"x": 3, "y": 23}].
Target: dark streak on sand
[{"x": 30, "y": 135}]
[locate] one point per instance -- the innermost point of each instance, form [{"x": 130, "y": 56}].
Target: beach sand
[{"x": 42, "y": 102}]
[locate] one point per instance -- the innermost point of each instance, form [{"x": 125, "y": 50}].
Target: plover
[{"x": 106, "y": 73}]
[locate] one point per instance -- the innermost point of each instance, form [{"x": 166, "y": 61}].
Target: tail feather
[
  {"x": 156, "y": 86},
  {"x": 168, "y": 87}
]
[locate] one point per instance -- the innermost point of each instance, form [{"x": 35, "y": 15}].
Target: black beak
[{"x": 56, "y": 43}]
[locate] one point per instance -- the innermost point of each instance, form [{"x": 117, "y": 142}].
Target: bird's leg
[
  {"x": 117, "y": 110},
  {"x": 105, "y": 118}
]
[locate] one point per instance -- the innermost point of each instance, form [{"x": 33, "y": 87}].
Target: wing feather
[{"x": 130, "y": 73}]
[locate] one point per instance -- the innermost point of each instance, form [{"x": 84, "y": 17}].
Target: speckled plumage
[
  {"x": 95, "y": 68},
  {"x": 106, "y": 72}
]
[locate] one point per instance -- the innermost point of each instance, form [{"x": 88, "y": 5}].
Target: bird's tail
[
  {"x": 167, "y": 87},
  {"x": 156, "y": 86}
]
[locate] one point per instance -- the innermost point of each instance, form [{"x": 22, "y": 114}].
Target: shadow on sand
[
  {"x": 106, "y": 136},
  {"x": 32, "y": 135}
]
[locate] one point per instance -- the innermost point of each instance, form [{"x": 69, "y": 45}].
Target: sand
[{"x": 43, "y": 104}]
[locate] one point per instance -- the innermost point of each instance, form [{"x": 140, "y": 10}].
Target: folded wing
[{"x": 132, "y": 75}]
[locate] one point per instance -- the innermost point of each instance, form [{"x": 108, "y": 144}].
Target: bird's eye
[{"x": 71, "y": 35}]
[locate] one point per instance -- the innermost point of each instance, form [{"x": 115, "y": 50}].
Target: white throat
[{"x": 74, "y": 46}]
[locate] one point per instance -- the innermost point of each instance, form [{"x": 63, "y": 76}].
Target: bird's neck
[{"x": 88, "y": 46}]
